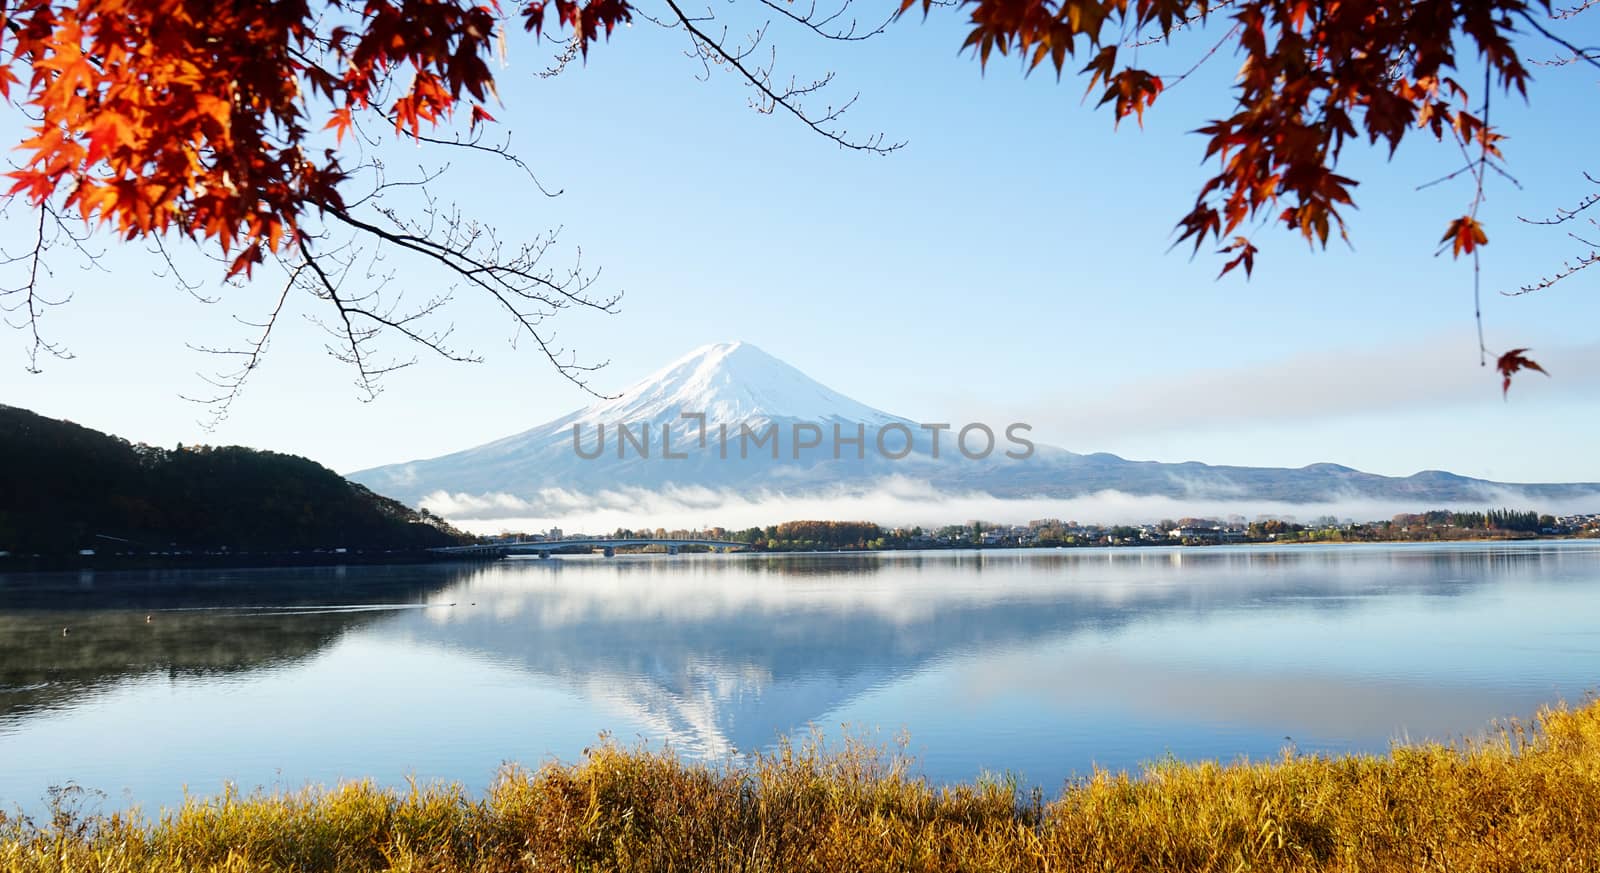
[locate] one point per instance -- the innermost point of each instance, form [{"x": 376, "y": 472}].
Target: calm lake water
[{"x": 1043, "y": 663}]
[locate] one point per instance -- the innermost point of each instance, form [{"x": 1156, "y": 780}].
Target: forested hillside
[{"x": 65, "y": 488}]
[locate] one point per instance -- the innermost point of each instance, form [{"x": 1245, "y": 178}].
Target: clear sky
[{"x": 1010, "y": 263}]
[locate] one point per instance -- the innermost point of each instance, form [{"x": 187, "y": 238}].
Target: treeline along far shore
[{"x": 74, "y": 497}]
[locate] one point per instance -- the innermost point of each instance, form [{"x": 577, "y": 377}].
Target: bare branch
[
  {"x": 231, "y": 382},
  {"x": 513, "y": 276},
  {"x": 819, "y": 26},
  {"x": 354, "y": 338},
  {"x": 31, "y": 302},
  {"x": 566, "y": 56},
  {"x": 1590, "y": 55},
  {"x": 474, "y": 142},
  {"x": 1581, "y": 262},
  {"x": 1211, "y": 52},
  {"x": 1568, "y": 268},
  {"x": 716, "y": 51},
  {"x": 1181, "y": 24},
  {"x": 193, "y": 288},
  {"x": 1574, "y": 11},
  {"x": 1562, "y": 216}
]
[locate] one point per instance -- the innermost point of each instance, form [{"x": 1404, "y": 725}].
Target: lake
[{"x": 1042, "y": 663}]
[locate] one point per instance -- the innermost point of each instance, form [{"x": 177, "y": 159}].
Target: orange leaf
[
  {"x": 1246, "y": 256},
  {"x": 244, "y": 263},
  {"x": 478, "y": 114},
  {"x": 1464, "y": 235},
  {"x": 340, "y": 122}
]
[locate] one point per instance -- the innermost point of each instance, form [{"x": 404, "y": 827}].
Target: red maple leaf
[{"x": 1509, "y": 363}]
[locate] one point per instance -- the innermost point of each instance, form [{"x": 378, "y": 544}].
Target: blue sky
[{"x": 1011, "y": 262}]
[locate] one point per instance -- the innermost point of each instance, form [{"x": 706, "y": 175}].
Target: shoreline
[
  {"x": 157, "y": 563},
  {"x": 1518, "y": 798},
  {"x": 242, "y": 561}
]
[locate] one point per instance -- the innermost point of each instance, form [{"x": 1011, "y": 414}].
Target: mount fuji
[{"x": 743, "y": 393}]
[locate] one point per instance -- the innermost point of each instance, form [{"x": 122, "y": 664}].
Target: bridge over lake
[{"x": 608, "y": 545}]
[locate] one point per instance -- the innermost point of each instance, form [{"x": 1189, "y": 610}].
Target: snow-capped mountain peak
[
  {"x": 571, "y": 463},
  {"x": 729, "y": 382}
]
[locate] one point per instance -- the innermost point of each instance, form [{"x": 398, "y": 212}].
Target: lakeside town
[{"x": 1432, "y": 526}]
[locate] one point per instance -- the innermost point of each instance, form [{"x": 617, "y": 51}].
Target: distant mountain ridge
[
  {"x": 66, "y": 488},
  {"x": 741, "y": 386}
]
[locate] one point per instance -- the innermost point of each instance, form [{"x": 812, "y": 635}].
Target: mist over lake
[{"x": 1040, "y": 663}]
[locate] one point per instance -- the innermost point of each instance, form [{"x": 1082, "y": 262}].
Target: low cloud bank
[
  {"x": 1314, "y": 386},
  {"x": 901, "y": 501}
]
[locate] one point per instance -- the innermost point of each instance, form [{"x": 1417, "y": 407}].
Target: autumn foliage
[
  {"x": 225, "y": 122},
  {"x": 197, "y": 117},
  {"x": 1313, "y": 77}
]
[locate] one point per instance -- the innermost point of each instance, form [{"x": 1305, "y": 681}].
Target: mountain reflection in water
[{"x": 1040, "y": 662}]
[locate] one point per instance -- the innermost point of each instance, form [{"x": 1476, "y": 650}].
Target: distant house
[{"x": 1196, "y": 533}]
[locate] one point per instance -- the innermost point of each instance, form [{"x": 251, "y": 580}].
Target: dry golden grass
[{"x": 1526, "y": 800}]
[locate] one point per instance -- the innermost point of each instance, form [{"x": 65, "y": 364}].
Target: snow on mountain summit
[
  {"x": 554, "y": 467},
  {"x": 730, "y": 382}
]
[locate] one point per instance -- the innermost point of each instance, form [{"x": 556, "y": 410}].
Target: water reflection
[
  {"x": 1043, "y": 662},
  {"x": 718, "y": 655},
  {"x": 65, "y": 635}
]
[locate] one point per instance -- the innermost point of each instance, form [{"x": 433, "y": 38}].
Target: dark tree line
[
  {"x": 819, "y": 535},
  {"x": 1494, "y": 519},
  {"x": 64, "y": 488}
]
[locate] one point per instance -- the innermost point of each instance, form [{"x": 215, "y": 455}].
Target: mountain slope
[
  {"x": 748, "y": 391},
  {"x": 64, "y": 487}
]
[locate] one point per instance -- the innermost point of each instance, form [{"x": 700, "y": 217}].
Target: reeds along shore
[{"x": 1525, "y": 799}]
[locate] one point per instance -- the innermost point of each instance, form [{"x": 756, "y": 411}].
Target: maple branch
[
  {"x": 1217, "y": 46},
  {"x": 567, "y": 55},
  {"x": 474, "y": 143},
  {"x": 383, "y": 184},
  {"x": 1574, "y": 11},
  {"x": 356, "y": 338},
  {"x": 1590, "y": 56},
  {"x": 712, "y": 50},
  {"x": 1568, "y": 268},
  {"x": 513, "y": 278},
  {"x": 1562, "y": 216},
  {"x": 32, "y": 303},
  {"x": 1576, "y": 265},
  {"x": 193, "y": 288},
  {"x": 819, "y": 26},
  {"x": 1182, "y": 22},
  {"x": 232, "y": 382},
  {"x": 455, "y": 250},
  {"x": 1485, "y": 145}
]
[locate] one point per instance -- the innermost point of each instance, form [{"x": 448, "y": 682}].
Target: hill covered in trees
[{"x": 65, "y": 488}]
